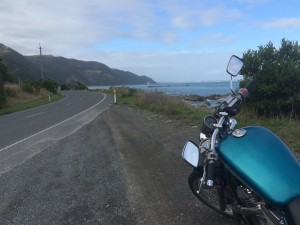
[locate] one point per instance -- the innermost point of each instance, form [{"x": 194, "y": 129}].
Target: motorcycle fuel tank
[{"x": 264, "y": 163}]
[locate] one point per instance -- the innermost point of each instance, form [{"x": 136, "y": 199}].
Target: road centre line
[
  {"x": 55, "y": 125},
  {"x": 35, "y": 115}
]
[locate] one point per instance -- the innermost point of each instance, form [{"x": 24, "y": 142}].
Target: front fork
[{"x": 219, "y": 185}]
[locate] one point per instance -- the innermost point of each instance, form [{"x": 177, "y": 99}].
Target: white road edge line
[{"x": 55, "y": 125}]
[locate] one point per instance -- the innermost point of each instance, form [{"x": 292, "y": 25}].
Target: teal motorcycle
[{"x": 248, "y": 174}]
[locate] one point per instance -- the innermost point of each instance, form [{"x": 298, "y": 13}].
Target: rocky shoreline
[{"x": 208, "y": 101}]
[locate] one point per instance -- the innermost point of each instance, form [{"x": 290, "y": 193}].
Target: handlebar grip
[
  {"x": 210, "y": 173},
  {"x": 251, "y": 84}
]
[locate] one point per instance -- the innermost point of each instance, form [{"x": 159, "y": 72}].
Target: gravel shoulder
[{"x": 124, "y": 167}]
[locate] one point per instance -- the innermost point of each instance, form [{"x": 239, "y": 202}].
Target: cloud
[
  {"x": 68, "y": 23},
  {"x": 62, "y": 25},
  {"x": 186, "y": 17},
  {"x": 219, "y": 15},
  {"x": 213, "y": 40},
  {"x": 172, "y": 66},
  {"x": 287, "y": 23}
]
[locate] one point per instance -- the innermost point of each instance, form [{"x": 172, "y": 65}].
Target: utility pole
[{"x": 42, "y": 71}]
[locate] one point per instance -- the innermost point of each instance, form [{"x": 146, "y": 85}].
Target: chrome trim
[
  {"x": 239, "y": 133},
  {"x": 202, "y": 137},
  {"x": 215, "y": 134},
  {"x": 233, "y": 123}
]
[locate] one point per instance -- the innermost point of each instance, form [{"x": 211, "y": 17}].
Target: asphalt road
[
  {"x": 18, "y": 126},
  {"x": 108, "y": 165},
  {"x": 24, "y": 134}
]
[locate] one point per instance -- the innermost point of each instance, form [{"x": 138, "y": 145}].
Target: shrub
[
  {"x": 9, "y": 92},
  {"x": 277, "y": 72},
  {"x": 27, "y": 87},
  {"x": 49, "y": 85}
]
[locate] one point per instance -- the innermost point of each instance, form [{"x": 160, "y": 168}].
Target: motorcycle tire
[{"x": 209, "y": 196}]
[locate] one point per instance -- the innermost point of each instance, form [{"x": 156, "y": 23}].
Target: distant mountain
[
  {"x": 17, "y": 65},
  {"x": 63, "y": 70}
]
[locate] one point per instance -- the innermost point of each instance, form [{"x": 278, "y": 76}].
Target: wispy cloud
[
  {"x": 215, "y": 40},
  {"x": 219, "y": 15},
  {"x": 286, "y": 23},
  {"x": 63, "y": 24}
]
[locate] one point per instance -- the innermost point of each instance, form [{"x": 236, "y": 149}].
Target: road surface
[
  {"x": 109, "y": 165},
  {"x": 20, "y": 125}
]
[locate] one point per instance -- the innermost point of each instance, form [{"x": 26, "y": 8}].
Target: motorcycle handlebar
[
  {"x": 243, "y": 92},
  {"x": 251, "y": 84}
]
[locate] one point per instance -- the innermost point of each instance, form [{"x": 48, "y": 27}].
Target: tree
[
  {"x": 277, "y": 72},
  {"x": 74, "y": 85},
  {"x": 50, "y": 85}
]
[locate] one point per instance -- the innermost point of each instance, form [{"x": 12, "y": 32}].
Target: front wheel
[{"x": 209, "y": 196}]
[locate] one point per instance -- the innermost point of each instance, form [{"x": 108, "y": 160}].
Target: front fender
[{"x": 264, "y": 163}]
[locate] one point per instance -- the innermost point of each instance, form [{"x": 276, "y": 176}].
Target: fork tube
[{"x": 215, "y": 134}]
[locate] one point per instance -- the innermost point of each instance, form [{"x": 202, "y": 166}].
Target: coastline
[
  {"x": 179, "y": 89},
  {"x": 206, "y": 101}
]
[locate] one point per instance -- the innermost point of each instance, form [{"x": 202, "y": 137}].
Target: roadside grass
[
  {"x": 286, "y": 128},
  {"x": 17, "y": 99},
  {"x": 160, "y": 103}
]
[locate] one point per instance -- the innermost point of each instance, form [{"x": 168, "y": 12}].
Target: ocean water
[{"x": 183, "y": 89}]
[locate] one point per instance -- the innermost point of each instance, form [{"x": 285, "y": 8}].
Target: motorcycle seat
[{"x": 293, "y": 215}]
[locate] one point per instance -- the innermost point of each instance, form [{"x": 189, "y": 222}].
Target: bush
[
  {"x": 34, "y": 86},
  {"x": 27, "y": 87},
  {"x": 9, "y": 92},
  {"x": 64, "y": 87},
  {"x": 277, "y": 72},
  {"x": 74, "y": 85},
  {"x": 49, "y": 85}
]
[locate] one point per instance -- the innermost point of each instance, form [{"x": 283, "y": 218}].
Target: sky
[{"x": 167, "y": 40}]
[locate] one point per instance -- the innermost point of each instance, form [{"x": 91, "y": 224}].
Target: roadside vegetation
[
  {"x": 287, "y": 128},
  {"x": 24, "y": 97},
  {"x": 15, "y": 97},
  {"x": 277, "y": 71}
]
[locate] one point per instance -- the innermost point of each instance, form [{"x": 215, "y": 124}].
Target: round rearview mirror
[{"x": 234, "y": 66}]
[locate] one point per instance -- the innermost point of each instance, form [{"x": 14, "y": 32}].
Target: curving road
[
  {"x": 18, "y": 126},
  {"x": 27, "y": 133}
]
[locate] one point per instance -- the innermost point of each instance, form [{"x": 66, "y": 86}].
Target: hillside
[
  {"x": 17, "y": 65},
  {"x": 63, "y": 70}
]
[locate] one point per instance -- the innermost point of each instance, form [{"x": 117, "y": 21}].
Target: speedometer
[
  {"x": 209, "y": 122},
  {"x": 208, "y": 125}
]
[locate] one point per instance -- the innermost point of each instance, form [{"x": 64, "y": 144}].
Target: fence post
[{"x": 115, "y": 96}]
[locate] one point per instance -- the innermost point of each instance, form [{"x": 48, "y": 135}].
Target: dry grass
[
  {"x": 15, "y": 95},
  {"x": 17, "y": 99},
  {"x": 287, "y": 129}
]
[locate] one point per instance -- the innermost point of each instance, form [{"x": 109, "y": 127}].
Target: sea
[
  {"x": 183, "y": 89},
  {"x": 186, "y": 89}
]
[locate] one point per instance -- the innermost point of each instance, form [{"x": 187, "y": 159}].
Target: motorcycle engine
[{"x": 247, "y": 197}]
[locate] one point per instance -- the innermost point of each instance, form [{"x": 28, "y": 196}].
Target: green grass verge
[
  {"x": 286, "y": 128},
  {"x": 30, "y": 104}
]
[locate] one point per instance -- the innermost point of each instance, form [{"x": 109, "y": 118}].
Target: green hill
[{"x": 63, "y": 70}]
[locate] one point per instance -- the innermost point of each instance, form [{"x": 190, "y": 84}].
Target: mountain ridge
[{"x": 63, "y": 70}]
